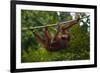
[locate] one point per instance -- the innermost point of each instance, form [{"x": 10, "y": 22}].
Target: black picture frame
[{"x": 13, "y": 36}]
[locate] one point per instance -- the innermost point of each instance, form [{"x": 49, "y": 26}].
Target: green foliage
[
  {"x": 42, "y": 55},
  {"x": 32, "y": 51}
]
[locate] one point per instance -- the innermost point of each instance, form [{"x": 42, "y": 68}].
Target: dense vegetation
[{"x": 32, "y": 51}]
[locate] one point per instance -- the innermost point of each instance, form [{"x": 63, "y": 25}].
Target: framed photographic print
[{"x": 52, "y": 36}]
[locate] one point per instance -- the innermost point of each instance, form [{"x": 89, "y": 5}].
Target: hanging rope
[{"x": 66, "y": 22}]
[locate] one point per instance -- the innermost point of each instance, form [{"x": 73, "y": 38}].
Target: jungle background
[{"x": 32, "y": 51}]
